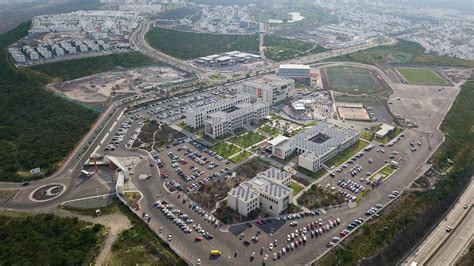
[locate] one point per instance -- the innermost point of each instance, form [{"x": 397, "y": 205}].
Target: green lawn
[
  {"x": 226, "y": 150},
  {"x": 387, "y": 170},
  {"x": 315, "y": 175},
  {"x": 295, "y": 187},
  {"x": 421, "y": 76},
  {"x": 190, "y": 45},
  {"x": 347, "y": 153},
  {"x": 240, "y": 157},
  {"x": 354, "y": 80},
  {"x": 390, "y": 136},
  {"x": 269, "y": 131},
  {"x": 247, "y": 140}
]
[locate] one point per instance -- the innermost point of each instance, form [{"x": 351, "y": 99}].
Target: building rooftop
[
  {"x": 320, "y": 139},
  {"x": 244, "y": 191},
  {"x": 295, "y": 66},
  {"x": 274, "y": 174},
  {"x": 277, "y": 140}
]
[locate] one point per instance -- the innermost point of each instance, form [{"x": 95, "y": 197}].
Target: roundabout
[{"x": 47, "y": 192}]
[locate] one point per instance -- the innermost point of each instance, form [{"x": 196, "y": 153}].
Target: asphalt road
[{"x": 441, "y": 247}]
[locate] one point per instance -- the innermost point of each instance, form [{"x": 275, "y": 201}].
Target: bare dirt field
[{"x": 98, "y": 88}]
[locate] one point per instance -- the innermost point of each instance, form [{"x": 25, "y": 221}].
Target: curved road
[{"x": 442, "y": 248}]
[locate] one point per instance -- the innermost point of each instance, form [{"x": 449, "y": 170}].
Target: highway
[
  {"x": 441, "y": 247},
  {"x": 138, "y": 40}
]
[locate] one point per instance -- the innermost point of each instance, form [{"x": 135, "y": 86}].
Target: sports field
[
  {"x": 421, "y": 76},
  {"x": 354, "y": 80}
]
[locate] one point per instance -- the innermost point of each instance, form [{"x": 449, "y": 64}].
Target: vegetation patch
[
  {"x": 252, "y": 167},
  {"x": 347, "y": 153},
  {"x": 281, "y": 49},
  {"x": 296, "y": 187},
  {"x": 247, "y": 140},
  {"x": 468, "y": 258},
  {"x": 315, "y": 175},
  {"x": 140, "y": 245},
  {"x": 390, "y": 136},
  {"x": 369, "y": 134},
  {"x": 153, "y": 135},
  {"x": 240, "y": 157},
  {"x": 403, "y": 52},
  {"x": 318, "y": 197},
  {"x": 226, "y": 150},
  {"x": 38, "y": 128},
  {"x": 292, "y": 208},
  {"x": 269, "y": 131},
  {"x": 177, "y": 13},
  {"x": 355, "y": 80},
  {"x": 190, "y": 45},
  {"x": 421, "y": 76},
  {"x": 77, "y": 68},
  {"x": 45, "y": 239}
]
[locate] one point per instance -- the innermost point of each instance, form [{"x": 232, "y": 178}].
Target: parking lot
[
  {"x": 356, "y": 177},
  {"x": 190, "y": 165}
]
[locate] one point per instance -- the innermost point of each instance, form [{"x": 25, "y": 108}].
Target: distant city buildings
[
  {"x": 268, "y": 190},
  {"x": 230, "y": 19},
  {"x": 112, "y": 22},
  {"x": 54, "y": 37},
  {"x": 440, "y": 31}
]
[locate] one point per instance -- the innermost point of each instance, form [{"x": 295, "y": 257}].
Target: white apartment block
[
  {"x": 268, "y": 190},
  {"x": 223, "y": 122},
  {"x": 270, "y": 89},
  {"x": 195, "y": 118},
  {"x": 316, "y": 145}
]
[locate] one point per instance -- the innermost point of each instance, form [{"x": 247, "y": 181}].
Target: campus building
[
  {"x": 300, "y": 73},
  {"x": 268, "y": 190},
  {"x": 223, "y": 122},
  {"x": 316, "y": 145},
  {"x": 270, "y": 89},
  {"x": 223, "y": 117},
  {"x": 195, "y": 117}
]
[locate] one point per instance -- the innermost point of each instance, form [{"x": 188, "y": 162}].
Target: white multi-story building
[
  {"x": 195, "y": 118},
  {"x": 223, "y": 122},
  {"x": 316, "y": 145},
  {"x": 270, "y": 89},
  {"x": 268, "y": 190},
  {"x": 300, "y": 73}
]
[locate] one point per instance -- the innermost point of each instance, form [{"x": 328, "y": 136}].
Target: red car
[
  {"x": 259, "y": 222},
  {"x": 198, "y": 238}
]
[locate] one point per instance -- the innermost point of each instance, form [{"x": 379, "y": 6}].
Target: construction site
[{"x": 99, "y": 88}]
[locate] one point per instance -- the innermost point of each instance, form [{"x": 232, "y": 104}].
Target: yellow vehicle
[{"x": 215, "y": 252}]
